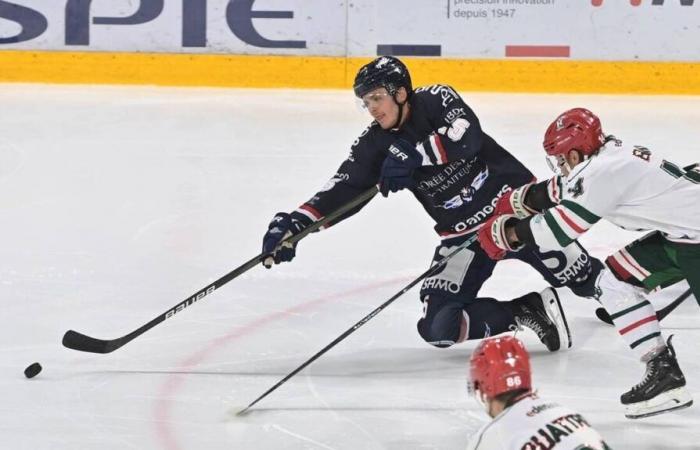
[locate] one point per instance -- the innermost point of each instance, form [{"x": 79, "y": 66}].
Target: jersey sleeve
[
  {"x": 457, "y": 132},
  {"x": 359, "y": 172},
  {"x": 586, "y": 196}
]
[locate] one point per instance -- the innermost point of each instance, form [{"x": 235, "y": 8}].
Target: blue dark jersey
[{"x": 464, "y": 170}]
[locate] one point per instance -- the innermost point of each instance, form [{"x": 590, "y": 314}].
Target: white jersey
[
  {"x": 629, "y": 186},
  {"x": 532, "y": 424}
]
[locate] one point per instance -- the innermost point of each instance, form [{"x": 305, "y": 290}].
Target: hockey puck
[{"x": 33, "y": 370}]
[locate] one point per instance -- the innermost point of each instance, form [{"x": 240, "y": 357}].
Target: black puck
[{"x": 33, "y": 370}]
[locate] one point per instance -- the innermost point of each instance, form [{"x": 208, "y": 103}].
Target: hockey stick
[
  {"x": 603, "y": 315},
  {"x": 431, "y": 271},
  {"x": 81, "y": 342}
]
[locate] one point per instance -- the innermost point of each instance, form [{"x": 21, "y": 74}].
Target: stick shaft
[
  {"x": 434, "y": 269},
  {"x": 660, "y": 314},
  {"x": 81, "y": 342}
]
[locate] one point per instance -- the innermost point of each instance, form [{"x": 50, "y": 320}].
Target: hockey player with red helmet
[
  {"x": 636, "y": 189},
  {"x": 500, "y": 379}
]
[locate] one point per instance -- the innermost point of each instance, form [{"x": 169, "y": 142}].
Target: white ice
[{"x": 116, "y": 203}]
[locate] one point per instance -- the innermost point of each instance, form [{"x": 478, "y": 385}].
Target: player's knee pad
[{"x": 444, "y": 322}]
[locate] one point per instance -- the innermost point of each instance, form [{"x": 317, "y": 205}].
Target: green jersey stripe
[
  {"x": 580, "y": 211},
  {"x": 562, "y": 238}
]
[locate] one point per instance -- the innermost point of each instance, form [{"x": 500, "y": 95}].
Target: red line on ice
[{"x": 175, "y": 380}]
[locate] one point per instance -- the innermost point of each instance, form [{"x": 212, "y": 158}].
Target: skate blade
[
  {"x": 552, "y": 305},
  {"x": 665, "y": 402}
]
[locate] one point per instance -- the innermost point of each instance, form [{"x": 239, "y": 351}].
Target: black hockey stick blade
[
  {"x": 81, "y": 342},
  {"x": 603, "y": 315},
  {"x": 663, "y": 312}
]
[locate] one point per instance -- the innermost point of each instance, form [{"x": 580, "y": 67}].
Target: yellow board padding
[{"x": 219, "y": 70}]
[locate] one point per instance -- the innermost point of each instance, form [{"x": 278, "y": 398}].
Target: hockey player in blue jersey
[{"x": 429, "y": 141}]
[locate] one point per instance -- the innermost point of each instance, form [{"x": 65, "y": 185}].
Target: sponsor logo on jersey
[
  {"x": 482, "y": 214},
  {"x": 454, "y": 114},
  {"x": 539, "y": 408},
  {"x": 466, "y": 194},
  {"x": 447, "y": 178}
]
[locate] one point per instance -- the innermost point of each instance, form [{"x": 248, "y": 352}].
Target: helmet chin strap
[{"x": 400, "y": 105}]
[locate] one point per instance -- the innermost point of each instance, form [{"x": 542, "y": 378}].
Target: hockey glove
[
  {"x": 398, "y": 167},
  {"x": 513, "y": 203},
  {"x": 492, "y": 237},
  {"x": 282, "y": 227}
]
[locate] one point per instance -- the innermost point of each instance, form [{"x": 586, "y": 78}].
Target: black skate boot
[
  {"x": 661, "y": 390},
  {"x": 542, "y": 313}
]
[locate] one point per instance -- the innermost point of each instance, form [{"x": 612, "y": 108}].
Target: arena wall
[{"x": 604, "y": 46}]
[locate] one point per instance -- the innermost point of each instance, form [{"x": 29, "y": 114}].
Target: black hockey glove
[
  {"x": 398, "y": 167},
  {"x": 281, "y": 227}
]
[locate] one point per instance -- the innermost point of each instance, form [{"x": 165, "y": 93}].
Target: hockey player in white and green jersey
[
  {"x": 500, "y": 379},
  {"x": 636, "y": 189}
]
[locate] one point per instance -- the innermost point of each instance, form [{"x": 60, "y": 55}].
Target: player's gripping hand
[
  {"x": 398, "y": 167},
  {"x": 513, "y": 203},
  {"x": 492, "y": 237},
  {"x": 281, "y": 227}
]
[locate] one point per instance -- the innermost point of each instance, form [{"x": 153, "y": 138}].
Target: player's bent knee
[
  {"x": 435, "y": 335},
  {"x": 443, "y": 323}
]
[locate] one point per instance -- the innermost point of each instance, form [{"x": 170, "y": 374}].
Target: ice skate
[
  {"x": 661, "y": 390},
  {"x": 542, "y": 313}
]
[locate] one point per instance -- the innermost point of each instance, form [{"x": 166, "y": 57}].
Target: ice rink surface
[{"x": 119, "y": 202}]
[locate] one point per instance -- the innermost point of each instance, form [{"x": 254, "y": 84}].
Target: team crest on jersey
[{"x": 577, "y": 189}]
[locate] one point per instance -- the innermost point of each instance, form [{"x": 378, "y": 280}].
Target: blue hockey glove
[
  {"x": 398, "y": 167},
  {"x": 281, "y": 227}
]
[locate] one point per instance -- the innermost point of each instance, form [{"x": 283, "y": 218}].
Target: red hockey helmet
[
  {"x": 499, "y": 365},
  {"x": 577, "y": 129}
]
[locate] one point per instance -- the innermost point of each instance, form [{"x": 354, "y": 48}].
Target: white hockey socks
[{"x": 634, "y": 317}]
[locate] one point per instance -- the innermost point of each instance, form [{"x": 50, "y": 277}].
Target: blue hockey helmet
[{"x": 387, "y": 72}]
